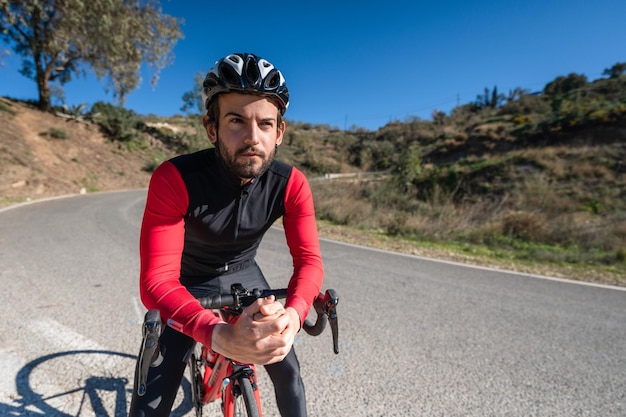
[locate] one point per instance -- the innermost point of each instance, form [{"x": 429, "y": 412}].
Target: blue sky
[{"x": 366, "y": 63}]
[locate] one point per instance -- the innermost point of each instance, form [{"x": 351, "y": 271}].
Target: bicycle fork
[{"x": 233, "y": 389}]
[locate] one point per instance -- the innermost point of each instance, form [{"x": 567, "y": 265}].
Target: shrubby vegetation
[
  {"x": 524, "y": 175},
  {"x": 118, "y": 123},
  {"x": 539, "y": 174}
]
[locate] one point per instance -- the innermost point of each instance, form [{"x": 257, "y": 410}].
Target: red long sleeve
[
  {"x": 302, "y": 239},
  {"x": 161, "y": 247}
]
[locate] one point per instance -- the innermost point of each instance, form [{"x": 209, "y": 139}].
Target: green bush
[
  {"x": 151, "y": 165},
  {"x": 56, "y": 133},
  {"x": 118, "y": 123},
  {"x": 6, "y": 107}
]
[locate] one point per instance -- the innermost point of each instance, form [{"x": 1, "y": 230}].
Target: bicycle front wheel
[
  {"x": 196, "y": 373},
  {"x": 245, "y": 401}
]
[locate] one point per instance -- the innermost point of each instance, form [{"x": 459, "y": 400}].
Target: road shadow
[{"x": 97, "y": 389}]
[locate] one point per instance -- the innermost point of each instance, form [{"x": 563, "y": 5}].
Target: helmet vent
[
  {"x": 229, "y": 75},
  {"x": 273, "y": 81},
  {"x": 252, "y": 71},
  {"x": 209, "y": 83},
  {"x": 235, "y": 59}
]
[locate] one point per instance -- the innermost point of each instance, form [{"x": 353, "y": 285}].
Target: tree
[
  {"x": 616, "y": 70},
  {"x": 562, "y": 85},
  {"x": 489, "y": 99},
  {"x": 192, "y": 99},
  {"x": 409, "y": 167},
  {"x": 59, "y": 38},
  {"x": 516, "y": 94}
]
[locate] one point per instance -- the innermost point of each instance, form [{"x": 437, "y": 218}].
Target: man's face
[{"x": 248, "y": 133}]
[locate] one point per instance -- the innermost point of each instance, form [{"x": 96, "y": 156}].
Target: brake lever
[
  {"x": 331, "y": 299},
  {"x": 150, "y": 354},
  {"x": 334, "y": 327}
]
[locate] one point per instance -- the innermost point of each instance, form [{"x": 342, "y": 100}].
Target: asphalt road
[{"x": 417, "y": 337}]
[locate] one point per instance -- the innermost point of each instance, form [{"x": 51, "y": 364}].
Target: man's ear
[
  {"x": 211, "y": 131},
  {"x": 281, "y": 133}
]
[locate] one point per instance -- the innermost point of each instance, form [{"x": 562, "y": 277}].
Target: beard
[{"x": 250, "y": 168}]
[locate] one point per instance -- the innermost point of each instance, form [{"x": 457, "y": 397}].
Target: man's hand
[{"x": 263, "y": 333}]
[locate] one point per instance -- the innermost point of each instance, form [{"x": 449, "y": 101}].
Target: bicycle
[{"x": 214, "y": 376}]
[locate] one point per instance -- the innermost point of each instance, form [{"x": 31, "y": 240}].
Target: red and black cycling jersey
[
  {"x": 225, "y": 221},
  {"x": 199, "y": 221}
]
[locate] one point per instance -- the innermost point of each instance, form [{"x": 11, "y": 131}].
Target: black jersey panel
[{"x": 225, "y": 221}]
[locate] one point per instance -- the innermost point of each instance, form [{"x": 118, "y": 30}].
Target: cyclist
[{"x": 204, "y": 219}]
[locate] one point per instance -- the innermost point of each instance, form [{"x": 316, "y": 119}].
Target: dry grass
[{"x": 530, "y": 231}]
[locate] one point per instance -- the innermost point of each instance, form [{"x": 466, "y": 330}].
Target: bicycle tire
[
  {"x": 196, "y": 376},
  {"x": 245, "y": 402}
]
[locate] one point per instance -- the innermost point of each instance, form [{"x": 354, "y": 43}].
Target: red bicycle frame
[{"x": 219, "y": 375}]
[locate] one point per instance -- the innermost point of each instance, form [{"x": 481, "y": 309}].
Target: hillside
[
  {"x": 476, "y": 193},
  {"x": 43, "y": 155}
]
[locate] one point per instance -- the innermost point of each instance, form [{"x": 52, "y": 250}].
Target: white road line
[{"x": 62, "y": 337}]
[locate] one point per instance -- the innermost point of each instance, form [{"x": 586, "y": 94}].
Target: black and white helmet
[{"x": 246, "y": 73}]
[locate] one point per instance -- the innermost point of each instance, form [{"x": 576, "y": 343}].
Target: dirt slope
[{"x": 43, "y": 155}]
